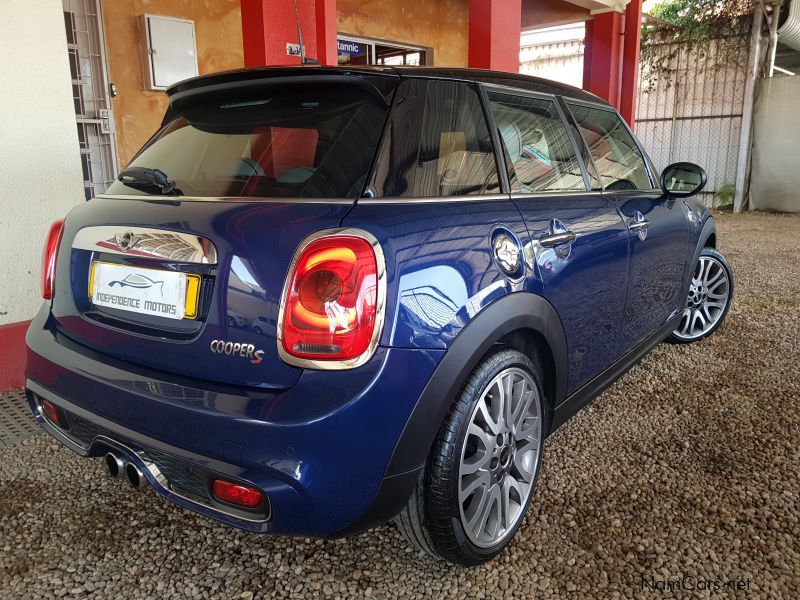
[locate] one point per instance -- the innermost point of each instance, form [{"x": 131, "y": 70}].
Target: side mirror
[{"x": 683, "y": 179}]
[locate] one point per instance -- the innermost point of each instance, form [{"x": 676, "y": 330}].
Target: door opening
[
  {"x": 90, "y": 93},
  {"x": 365, "y": 51}
]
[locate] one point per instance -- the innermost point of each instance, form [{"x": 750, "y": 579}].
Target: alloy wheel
[
  {"x": 500, "y": 457},
  {"x": 709, "y": 294}
]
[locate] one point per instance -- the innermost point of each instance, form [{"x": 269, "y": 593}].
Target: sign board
[
  {"x": 348, "y": 47},
  {"x": 292, "y": 49},
  {"x": 170, "y": 51}
]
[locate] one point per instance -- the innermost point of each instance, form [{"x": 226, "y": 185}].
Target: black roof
[{"x": 525, "y": 82}]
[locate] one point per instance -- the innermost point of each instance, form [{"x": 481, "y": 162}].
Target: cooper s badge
[{"x": 238, "y": 350}]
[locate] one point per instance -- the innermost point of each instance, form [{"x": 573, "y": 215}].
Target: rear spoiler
[{"x": 378, "y": 83}]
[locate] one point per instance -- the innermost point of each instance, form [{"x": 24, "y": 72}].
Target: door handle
[
  {"x": 639, "y": 225},
  {"x": 557, "y": 239}
]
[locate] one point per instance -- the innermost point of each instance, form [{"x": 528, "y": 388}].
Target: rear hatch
[{"x": 180, "y": 265}]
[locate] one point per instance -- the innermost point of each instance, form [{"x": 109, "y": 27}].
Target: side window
[
  {"x": 437, "y": 143},
  {"x": 539, "y": 153},
  {"x": 616, "y": 155}
]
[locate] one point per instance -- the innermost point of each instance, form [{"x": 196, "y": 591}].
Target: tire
[
  {"x": 708, "y": 298},
  {"x": 476, "y": 448}
]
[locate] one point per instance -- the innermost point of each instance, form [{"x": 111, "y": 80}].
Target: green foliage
[
  {"x": 701, "y": 20},
  {"x": 725, "y": 195},
  {"x": 707, "y": 33}
]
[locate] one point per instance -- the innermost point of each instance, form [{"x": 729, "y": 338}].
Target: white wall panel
[{"x": 40, "y": 168}]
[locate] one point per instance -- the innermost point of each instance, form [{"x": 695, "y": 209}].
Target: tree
[
  {"x": 713, "y": 30},
  {"x": 699, "y": 20}
]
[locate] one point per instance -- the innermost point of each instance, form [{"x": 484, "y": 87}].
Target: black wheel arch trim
[
  {"x": 709, "y": 229},
  {"x": 518, "y": 310},
  {"x": 515, "y": 311}
]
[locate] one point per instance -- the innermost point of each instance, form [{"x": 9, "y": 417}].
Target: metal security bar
[
  {"x": 87, "y": 63},
  {"x": 694, "y": 112}
]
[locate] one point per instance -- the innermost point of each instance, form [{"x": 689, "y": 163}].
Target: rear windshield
[{"x": 296, "y": 140}]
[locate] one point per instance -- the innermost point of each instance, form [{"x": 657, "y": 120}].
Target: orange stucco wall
[
  {"x": 137, "y": 112},
  {"x": 440, "y": 24}
]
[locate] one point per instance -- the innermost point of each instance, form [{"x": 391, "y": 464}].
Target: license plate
[{"x": 154, "y": 292}]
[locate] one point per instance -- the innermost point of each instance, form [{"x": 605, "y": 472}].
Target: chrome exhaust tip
[
  {"x": 114, "y": 464},
  {"x": 134, "y": 476}
]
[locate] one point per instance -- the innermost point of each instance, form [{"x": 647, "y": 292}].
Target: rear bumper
[{"x": 318, "y": 450}]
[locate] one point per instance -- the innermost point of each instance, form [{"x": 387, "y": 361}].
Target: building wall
[
  {"x": 40, "y": 166},
  {"x": 138, "y": 112},
  {"x": 440, "y": 24},
  {"x": 775, "y": 172},
  {"x": 554, "y": 53}
]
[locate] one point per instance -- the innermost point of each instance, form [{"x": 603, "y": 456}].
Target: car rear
[{"x": 210, "y": 325}]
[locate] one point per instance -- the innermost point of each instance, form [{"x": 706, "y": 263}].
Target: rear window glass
[
  {"x": 297, "y": 140},
  {"x": 615, "y": 153},
  {"x": 437, "y": 143},
  {"x": 538, "y": 149}
]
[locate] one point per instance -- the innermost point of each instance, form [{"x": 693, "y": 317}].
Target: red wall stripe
[{"x": 12, "y": 355}]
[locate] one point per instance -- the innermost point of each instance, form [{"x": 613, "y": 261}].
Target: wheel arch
[
  {"x": 523, "y": 320},
  {"x": 534, "y": 345},
  {"x": 707, "y": 237}
]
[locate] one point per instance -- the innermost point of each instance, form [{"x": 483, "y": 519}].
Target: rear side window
[
  {"x": 614, "y": 151},
  {"x": 437, "y": 143},
  {"x": 294, "y": 140},
  {"x": 538, "y": 149}
]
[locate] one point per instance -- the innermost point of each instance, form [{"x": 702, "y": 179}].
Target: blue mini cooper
[{"x": 319, "y": 299}]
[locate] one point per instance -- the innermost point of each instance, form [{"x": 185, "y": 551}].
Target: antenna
[{"x": 299, "y": 35}]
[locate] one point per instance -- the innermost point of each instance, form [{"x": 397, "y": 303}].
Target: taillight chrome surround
[
  {"x": 380, "y": 312},
  {"x": 50, "y": 259}
]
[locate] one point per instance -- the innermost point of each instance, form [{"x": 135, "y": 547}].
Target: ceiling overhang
[{"x": 601, "y": 6}]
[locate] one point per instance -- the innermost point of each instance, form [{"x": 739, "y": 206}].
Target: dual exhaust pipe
[{"x": 119, "y": 467}]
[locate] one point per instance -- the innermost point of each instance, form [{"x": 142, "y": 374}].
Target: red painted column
[
  {"x": 13, "y": 355},
  {"x": 630, "y": 62},
  {"x": 327, "y": 54},
  {"x": 602, "y": 59},
  {"x": 494, "y": 32},
  {"x": 267, "y": 26},
  {"x": 588, "y": 45}
]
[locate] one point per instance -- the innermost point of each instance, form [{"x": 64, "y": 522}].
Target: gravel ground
[{"x": 688, "y": 466}]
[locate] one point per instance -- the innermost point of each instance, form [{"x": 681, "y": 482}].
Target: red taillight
[
  {"x": 49, "y": 259},
  {"x": 333, "y": 302},
  {"x": 50, "y": 411},
  {"x": 238, "y": 494}
]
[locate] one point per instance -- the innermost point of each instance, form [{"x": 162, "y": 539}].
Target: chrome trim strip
[
  {"x": 432, "y": 199},
  {"x": 487, "y": 198},
  {"x": 517, "y": 91},
  {"x": 335, "y": 365},
  {"x": 82, "y": 450},
  {"x": 554, "y": 193},
  {"x": 147, "y": 242},
  {"x": 243, "y": 199},
  {"x": 165, "y": 483}
]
